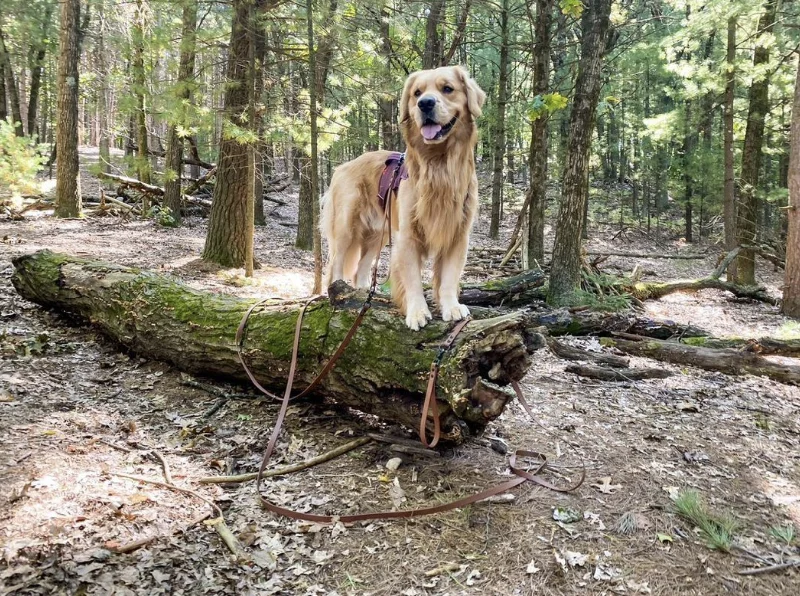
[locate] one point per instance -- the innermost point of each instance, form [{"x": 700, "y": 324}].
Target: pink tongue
[{"x": 429, "y": 131}]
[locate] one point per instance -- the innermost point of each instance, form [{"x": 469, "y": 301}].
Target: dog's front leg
[
  {"x": 407, "y": 282},
  {"x": 447, "y": 269}
]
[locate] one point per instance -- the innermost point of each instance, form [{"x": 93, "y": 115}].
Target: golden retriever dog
[{"x": 433, "y": 212}]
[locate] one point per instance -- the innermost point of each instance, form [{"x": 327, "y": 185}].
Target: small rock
[{"x": 393, "y": 464}]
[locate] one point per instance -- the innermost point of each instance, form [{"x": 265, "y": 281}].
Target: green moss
[{"x": 695, "y": 341}]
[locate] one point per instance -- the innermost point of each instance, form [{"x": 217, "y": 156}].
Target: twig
[
  {"x": 114, "y": 445},
  {"x": 218, "y": 523},
  {"x": 164, "y": 466},
  {"x": 229, "y": 539},
  {"x": 187, "y": 491},
  {"x": 216, "y": 407},
  {"x": 137, "y": 544},
  {"x": 771, "y": 568},
  {"x": 446, "y": 568},
  {"x": 341, "y": 450}
]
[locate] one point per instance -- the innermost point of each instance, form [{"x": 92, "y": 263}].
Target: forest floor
[{"x": 75, "y": 410}]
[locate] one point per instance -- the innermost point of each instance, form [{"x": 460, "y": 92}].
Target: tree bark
[
  {"x": 309, "y": 165},
  {"x": 537, "y": 193},
  {"x": 68, "y": 187},
  {"x": 747, "y": 213},
  {"x": 729, "y": 188},
  {"x": 11, "y": 87},
  {"x": 383, "y": 371},
  {"x": 500, "y": 126},
  {"x": 226, "y": 238},
  {"x": 3, "y": 102},
  {"x": 565, "y": 274},
  {"x": 183, "y": 93},
  {"x": 139, "y": 89},
  {"x": 102, "y": 90},
  {"x": 791, "y": 285},
  {"x": 432, "y": 55}
]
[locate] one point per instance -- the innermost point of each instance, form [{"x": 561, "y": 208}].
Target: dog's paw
[
  {"x": 418, "y": 317},
  {"x": 455, "y": 312}
]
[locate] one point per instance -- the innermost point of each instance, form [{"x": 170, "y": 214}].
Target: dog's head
[{"x": 435, "y": 103}]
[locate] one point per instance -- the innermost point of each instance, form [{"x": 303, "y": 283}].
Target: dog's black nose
[{"x": 426, "y": 103}]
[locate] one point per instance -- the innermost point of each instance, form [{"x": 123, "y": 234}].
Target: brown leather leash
[{"x": 429, "y": 409}]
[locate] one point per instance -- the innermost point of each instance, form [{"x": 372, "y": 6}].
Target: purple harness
[{"x": 391, "y": 177}]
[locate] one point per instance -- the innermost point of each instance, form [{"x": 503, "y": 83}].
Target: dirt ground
[{"x": 75, "y": 411}]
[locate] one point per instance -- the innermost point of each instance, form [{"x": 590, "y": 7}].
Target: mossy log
[
  {"x": 384, "y": 370},
  {"x": 728, "y": 361},
  {"x": 655, "y": 290}
]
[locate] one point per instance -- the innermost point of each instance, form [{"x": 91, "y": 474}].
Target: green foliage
[
  {"x": 783, "y": 533},
  {"x": 717, "y": 530},
  {"x": 162, "y": 216},
  {"x": 546, "y": 104},
  {"x": 19, "y": 163},
  {"x": 571, "y": 8}
]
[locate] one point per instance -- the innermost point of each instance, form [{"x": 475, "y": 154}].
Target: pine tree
[{"x": 68, "y": 187}]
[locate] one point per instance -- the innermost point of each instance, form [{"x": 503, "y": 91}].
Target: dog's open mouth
[{"x": 432, "y": 131}]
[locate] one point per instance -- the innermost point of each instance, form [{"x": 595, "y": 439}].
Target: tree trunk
[
  {"x": 68, "y": 187},
  {"x": 102, "y": 91},
  {"x": 791, "y": 286},
  {"x": 11, "y": 87},
  {"x": 500, "y": 128},
  {"x": 382, "y": 372},
  {"x": 747, "y": 213},
  {"x": 226, "y": 238},
  {"x": 539, "y": 141},
  {"x": 565, "y": 274},
  {"x": 183, "y": 93},
  {"x": 729, "y": 188},
  {"x": 305, "y": 215},
  {"x": 139, "y": 89},
  {"x": 433, "y": 54},
  {"x": 3, "y": 103},
  {"x": 319, "y": 65}
]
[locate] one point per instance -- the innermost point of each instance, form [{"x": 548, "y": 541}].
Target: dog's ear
[
  {"x": 403, "y": 112},
  {"x": 475, "y": 95}
]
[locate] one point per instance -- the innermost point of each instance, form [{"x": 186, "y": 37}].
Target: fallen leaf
[
  {"x": 606, "y": 487},
  {"x": 567, "y": 515},
  {"x": 664, "y": 537},
  {"x": 603, "y": 573},
  {"x": 473, "y": 577}
]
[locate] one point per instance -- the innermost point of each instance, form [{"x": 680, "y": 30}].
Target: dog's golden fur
[{"x": 433, "y": 214}]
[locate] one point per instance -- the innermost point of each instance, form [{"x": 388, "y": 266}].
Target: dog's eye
[
  {"x": 447, "y": 89},
  {"x": 417, "y": 93}
]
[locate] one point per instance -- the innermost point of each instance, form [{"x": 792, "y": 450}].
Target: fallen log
[
  {"x": 727, "y": 360},
  {"x": 655, "y": 290},
  {"x": 133, "y": 183},
  {"x": 384, "y": 370},
  {"x": 602, "y": 373},
  {"x": 762, "y": 345},
  {"x": 568, "y": 352},
  {"x": 590, "y": 322}
]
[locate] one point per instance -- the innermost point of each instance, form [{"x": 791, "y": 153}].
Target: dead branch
[
  {"x": 341, "y": 450},
  {"x": 617, "y": 374},
  {"x": 728, "y": 361}
]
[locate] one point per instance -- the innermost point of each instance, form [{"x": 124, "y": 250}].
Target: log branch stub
[{"x": 384, "y": 370}]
